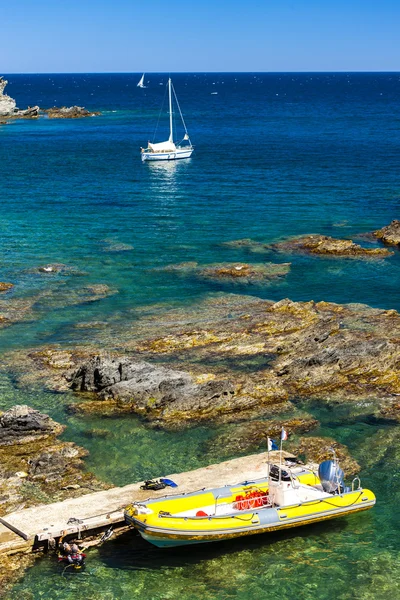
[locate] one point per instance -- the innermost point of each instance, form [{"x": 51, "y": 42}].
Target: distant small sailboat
[
  {"x": 141, "y": 82},
  {"x": 169, "y": 150}
]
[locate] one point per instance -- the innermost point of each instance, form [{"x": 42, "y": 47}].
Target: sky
[{"x": 50, "y": 36}]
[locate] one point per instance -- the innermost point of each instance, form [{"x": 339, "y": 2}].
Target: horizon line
[{"x": 192, "y": 72}]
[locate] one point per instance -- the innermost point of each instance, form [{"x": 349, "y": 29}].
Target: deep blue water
[{"x": 276, "y": 155}]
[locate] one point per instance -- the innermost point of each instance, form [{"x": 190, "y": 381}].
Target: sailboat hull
[{"x": 173, "y": 155}]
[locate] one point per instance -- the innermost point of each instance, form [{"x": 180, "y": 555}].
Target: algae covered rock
[
  {"x": 231, "y": 272},
  {"x": 167, "y": 396},
  {"x": 34, "y": 464},
  {"x": 22, "y": 424},
  {"x": 318, "y": 449},
  {"x": 253, "y": 435},
  {"x": 325, "y": 245},
  {"x": 390, "y": 411},
  {"x": 4, "y": 287},
  {"x": 70, "y": 112},
  {"x": 389, "y": 234},
  {"x": 248, "y": 245}
]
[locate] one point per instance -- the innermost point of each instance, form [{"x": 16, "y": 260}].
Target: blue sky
[{"x": 173, "y": 35}]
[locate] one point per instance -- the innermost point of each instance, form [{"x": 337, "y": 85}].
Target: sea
[{"x": 276, "y": 155}]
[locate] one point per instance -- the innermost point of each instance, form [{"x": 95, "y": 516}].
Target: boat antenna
[
  {"x": 335, "y": 460},
  {"x": 334, "y": 455}
]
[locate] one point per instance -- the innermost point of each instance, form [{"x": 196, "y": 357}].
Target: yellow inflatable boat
[{"x": 286, "y": 498}]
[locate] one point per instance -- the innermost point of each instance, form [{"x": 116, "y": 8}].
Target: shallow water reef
[
  {"x": 253, "y": 435},
  {"x": 390, "y": 234},
  {"x": 113, "y": 245},
  {"x": 249, "y": 245},
  {"x": 168, "y": 397},
  {"x": 317, "y": 449},
  {"x": 229, "y": 358},
  {"x": 17, "y": 306},
  {"x": 325, "y": 245},
  {"x": 231, "y": 272},
  {"x": 312, "y": 244}
]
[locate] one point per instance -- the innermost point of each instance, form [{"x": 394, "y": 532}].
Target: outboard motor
[{"x": 331, "y": 477}]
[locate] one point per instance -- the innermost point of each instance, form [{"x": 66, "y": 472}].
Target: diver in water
[{"x": 70, "y": 553}]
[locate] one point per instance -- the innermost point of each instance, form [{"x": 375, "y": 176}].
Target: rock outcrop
[
  {"x": 389, "y": 234},
  {"x": 166, "y": 396},
  {"x": 4, "y": 286},
  {"x": 36, "y": 468},
  {"x": 252, "y": 436},
  {"x": 7, "y": 104},
  {"x": 317, "y": 449},
  {"x": 70, "y": 112},
  {"x": 22, "y": 424},
  {"x": 229, "y": 358},
  {"x": 9, "y": 110},
  {"x": 231, "y": 272},
  {"x": 325, "y": 245},
  {"x": 34, "y": 465}
]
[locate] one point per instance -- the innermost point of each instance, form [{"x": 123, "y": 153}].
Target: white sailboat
[
  {"x": 141, "y": 82},
  {"x": 169, "y": 150}
]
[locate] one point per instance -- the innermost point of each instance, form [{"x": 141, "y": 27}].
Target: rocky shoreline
[
  {"x": 230, "y": 359},
  {"x": 36, "y": 468},
  {"x": 234, "y": 361},
  {"x": 323, "y": 245},
  {"x": 9, "y": 110}
]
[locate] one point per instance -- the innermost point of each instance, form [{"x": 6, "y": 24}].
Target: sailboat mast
[{"x": 171, "y": 137}]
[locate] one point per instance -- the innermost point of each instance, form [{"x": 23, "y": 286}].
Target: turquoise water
[{"x": 276, "y": 155}]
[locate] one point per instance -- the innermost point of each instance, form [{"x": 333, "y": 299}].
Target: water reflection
[{"x": 167, "y": 172}]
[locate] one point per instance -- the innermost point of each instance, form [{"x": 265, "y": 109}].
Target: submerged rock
[
  {"x": 254, "y": 435},
  {"x": 229, "y": 358},
  {"x": 243, "y": 272},
  {"x": 71, "y": 112},
  {"x": 389, "y": 234},
  {"x": 231, "y": 272},
  {"x": 115, "y": 246},
  {"x": 56, "y": 268},
  {"x": 325, "y": 245},
  {"x": 249, "y": 245},
  {"x": 4, "y": 287},
  {"x": 318, "y": 449},
  {"x": 390, "y": 411}
]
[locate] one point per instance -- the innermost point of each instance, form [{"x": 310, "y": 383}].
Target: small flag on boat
[
  {"x": 186, "y": 137},
  {"x": 272, "y": 445},
  {"x": 284, "y": 435}
]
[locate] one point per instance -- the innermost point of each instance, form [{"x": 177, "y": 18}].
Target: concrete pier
[{"x": 33, "y": 527}]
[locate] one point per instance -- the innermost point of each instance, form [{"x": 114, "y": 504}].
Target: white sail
[
  {"x": 163, "y": 147},
  {"x": 141, "y": 82}
]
